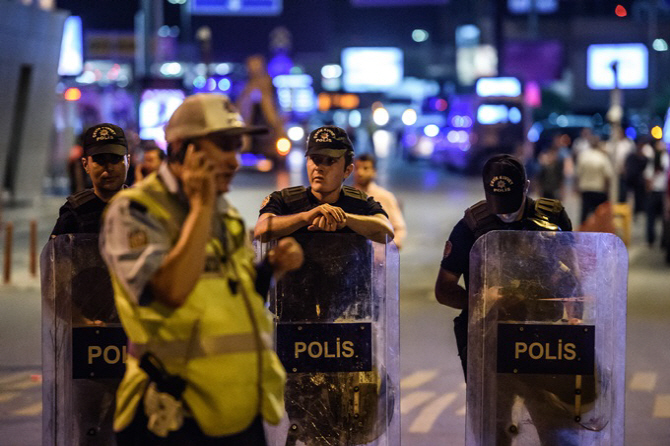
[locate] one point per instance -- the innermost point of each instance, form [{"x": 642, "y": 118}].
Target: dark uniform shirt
[
  {"x": 298, "y": 199},
  {"x": 462, "y": 238},
  {"x": 80, "y": 214},
  {"x": 541, "y": 215}
]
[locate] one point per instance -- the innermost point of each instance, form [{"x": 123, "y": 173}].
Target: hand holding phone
[{"x": 198, "y": 178}]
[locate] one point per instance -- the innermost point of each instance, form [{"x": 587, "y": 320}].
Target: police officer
[
  {"x": 200, "y": 369},
  {"x": 326, "y": 205},
  {"x": 507, "y": 207},
  {"x": 106, "y": 163}
]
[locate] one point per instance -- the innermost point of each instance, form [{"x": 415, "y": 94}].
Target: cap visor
[
  {"x": 333, "y": 153},
  {"x": 115, "y": 149},
  {"x": 508, "y": 204}
]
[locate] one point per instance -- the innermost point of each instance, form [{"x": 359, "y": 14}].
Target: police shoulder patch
[
  {"x": 265, "y": 201},
  {"x": 138, "y": 238},
  {"x": 447, "y": 249}
]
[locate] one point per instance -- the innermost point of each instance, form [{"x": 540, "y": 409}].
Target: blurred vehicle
[
  {"x": 541, "y": 133},
  {"x": 474, "y": 127}
]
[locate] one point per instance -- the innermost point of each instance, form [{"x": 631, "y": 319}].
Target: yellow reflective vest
[{"x": 219, "y": 341}]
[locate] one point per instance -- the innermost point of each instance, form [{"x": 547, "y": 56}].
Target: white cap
[{"x": 205, "y": 113}]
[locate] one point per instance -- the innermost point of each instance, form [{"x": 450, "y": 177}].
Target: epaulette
[
  {"x": 354, "y": 193},
  {"x": 296, "y": 199},
  {"x": 548, "y": 206},
  {"x": 479, "y": 219},
  {"x": 81, "y": 198}
]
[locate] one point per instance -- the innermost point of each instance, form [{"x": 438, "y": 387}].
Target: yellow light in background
[
  {"x": 323, "y": 102},
  {"x": 72, "y": 94},
  {"x": 265, "y": 165},
  {"x": 283, "y": 146},
  {"x": 657, "y": 132}
]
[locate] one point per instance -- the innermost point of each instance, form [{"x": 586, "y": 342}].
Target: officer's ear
[
  {"x": 348, "y": 170},
  {"x": 84, "y": 162},
  {"x": 525, "y": 187}
]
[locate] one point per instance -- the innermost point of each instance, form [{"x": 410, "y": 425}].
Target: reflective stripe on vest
[{"x": 209, "y": 346}]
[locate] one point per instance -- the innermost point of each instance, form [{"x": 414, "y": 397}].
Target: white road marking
[
  {"x": 4, "y": 397},
  {"x": 6, "y": 379},
  {"x": 643, "y": 381},
  {"x": 662, "y": 406},
  {"x": 417, "y": 379},
  {"x": 426, "y": 418},
  {"x": 29, "y": 411},
  {"x": 413, "y": 400}
]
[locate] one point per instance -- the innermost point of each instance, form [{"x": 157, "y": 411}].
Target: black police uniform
[
  {"x": 81, "y": 214},
  {"x": 541, "y": 215},
  {"x": 300, "y": 199}
]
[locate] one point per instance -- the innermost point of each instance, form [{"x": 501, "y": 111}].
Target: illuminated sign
[
  {"x": 498, "y": 86},
  {"x": 525, "y": 6},
  {"x": 71, "y": 62},
  {"x": 335, "y": 347},
  {"x": 371, "y": 69},
  {"x": 236, "y": 7},
  {"x": 156, "y": 107},
  {"x": 546, "y": 349},
  {"x": 630, "y": 59}
]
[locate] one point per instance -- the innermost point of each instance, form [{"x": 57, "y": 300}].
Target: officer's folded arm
[
  {"x": 270, "y": 226},
  {"x": 375, "y": 227},
  {"x": 448, "y": 292},
  {"x": 183, "y": 265}
]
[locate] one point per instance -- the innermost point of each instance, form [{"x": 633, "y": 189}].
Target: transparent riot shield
[
  {"x": 337, "y": 336},
  {"x": 546, "y": 339},
  {"x": 83, "y": 344}
]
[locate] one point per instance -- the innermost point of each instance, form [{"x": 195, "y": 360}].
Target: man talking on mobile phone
[{"x": 200, "y": 367}]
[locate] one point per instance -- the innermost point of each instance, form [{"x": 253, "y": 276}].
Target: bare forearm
[
  {"x": 448, "y": 292},
  {"x": 371, "y": 226},
  {"x": 182, "y": 267},
  {"x": 270, "y": 226}
]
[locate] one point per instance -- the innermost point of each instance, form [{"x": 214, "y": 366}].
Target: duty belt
[{"x": 208, "y": 346}]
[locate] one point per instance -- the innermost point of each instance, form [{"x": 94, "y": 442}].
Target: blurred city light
[
  {"x": 331, "y": 71},
  {"x": 498, "y": 86},
  {"x": 296, "y": 133},
  {"x": 380, "y": 116},
  {"x": 562, "y": 121},
  {"x": 514, "y": 115},
  {"x": 223, "y": 68},
  {"x": 71, "y": 62},
  {"x": 283, "y": 146},
  {"x": 467, "y": 35},
  {"x": 657, "y": 132},
  {"x": 431, "y": 130},
  {"x": 409, "y": 117},
  {"x": 492, "y": 114},
  {"x": 199, "y": 82},
  {"x": 372, "y": 69},
  {"x": 382, "y": 140},
  {"x": 224, "y": 84},
  {"x": 632, "y": 62},
  {"x": 340, "y": 118},
  {"x": 660, "y": 45},
  {"x": 620, "y": 11},
  {"x": 631, "y": 133},
  {"x": 425, "y": 147},
  {"x": 420, "y": 35},
  {"x": 72, "y": 94},
  {"x": 355, "y": 118},
  {"x": 171, "y": 69}
]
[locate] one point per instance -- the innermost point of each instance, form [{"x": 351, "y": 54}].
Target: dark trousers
[
  {"x": 590, "y": 201},
  {"x": 654, "y": 210},
  {"x": 136, "y": 434}
]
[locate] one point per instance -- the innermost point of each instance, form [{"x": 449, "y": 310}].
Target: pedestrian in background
[
  {"x": 656, "y": 176},
  {"x": 365, "y": 173},
  {"x": 636, "y": 164},
  {"x": 594, "y": 174}
]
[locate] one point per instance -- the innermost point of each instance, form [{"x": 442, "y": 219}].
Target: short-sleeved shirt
[
  {"x": 462, "y": 239},
  {"x": 80, "y": 214},
  {"x": 276, "y": 204},
  {"x": 134, "y": 243}
]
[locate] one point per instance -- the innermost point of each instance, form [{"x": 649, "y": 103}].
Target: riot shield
[
  {"x": 83, "y": 344},
  {"x": 337, "y": 336},
  {"x": 546, "y": 339}
]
